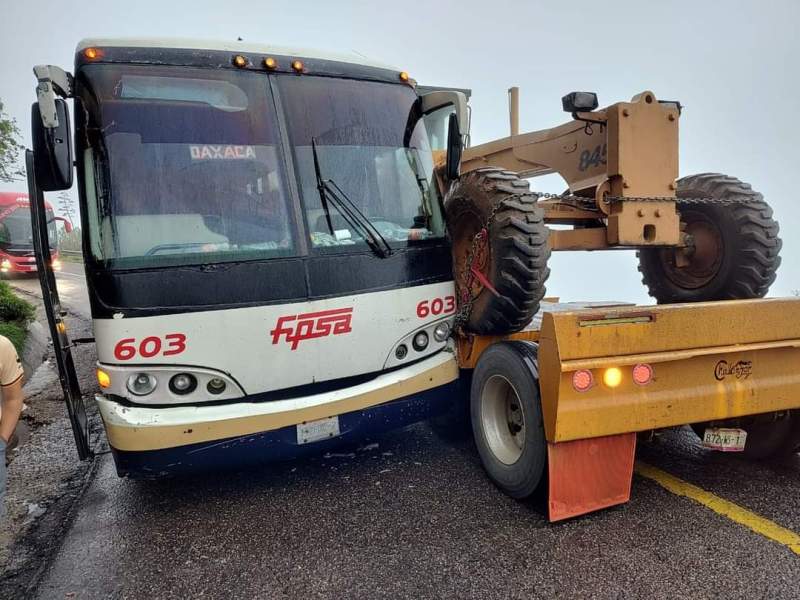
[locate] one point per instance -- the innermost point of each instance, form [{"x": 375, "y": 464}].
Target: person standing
[{"x": 11, "y": 406}]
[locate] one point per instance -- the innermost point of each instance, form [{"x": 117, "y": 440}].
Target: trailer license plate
[
  {"x": 321, "y": 429},
  {"x": 725, "y": 440}
]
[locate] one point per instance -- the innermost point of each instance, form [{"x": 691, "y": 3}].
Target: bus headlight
[
  {"x": 441, "y": 331},
  {"x": 216, "y": 385},
  {"x": 141, "y": 384},
  {"x": 183, "y": 383},
  {"x": 420, "y": 341}
]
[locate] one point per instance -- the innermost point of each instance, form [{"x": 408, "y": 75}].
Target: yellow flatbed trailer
[{"x": 607, "y": 373}]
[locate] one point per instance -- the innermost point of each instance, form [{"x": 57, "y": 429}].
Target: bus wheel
[
  {"x": 507, "y": 418},
  {"x": 769, "y": 436}
]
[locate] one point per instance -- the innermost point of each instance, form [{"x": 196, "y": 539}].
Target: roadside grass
[{"x": 15, "y": 314}]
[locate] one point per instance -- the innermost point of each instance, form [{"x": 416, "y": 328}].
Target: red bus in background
[{"x": 16, "y": 234}]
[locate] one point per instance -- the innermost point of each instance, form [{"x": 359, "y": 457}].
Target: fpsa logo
[{"x": 306, "y": 326}]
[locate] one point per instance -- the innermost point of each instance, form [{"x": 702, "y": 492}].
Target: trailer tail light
[
  {"x": 642, "y": 374},
  {"x": 582, "y": 380},
  {"x": 612, "y": 377}
]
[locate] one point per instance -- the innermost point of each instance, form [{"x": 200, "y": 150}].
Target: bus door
[{"x": 49, "y": 168}]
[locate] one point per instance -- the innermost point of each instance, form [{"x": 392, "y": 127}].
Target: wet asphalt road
[{"x": 416, "y": 517}]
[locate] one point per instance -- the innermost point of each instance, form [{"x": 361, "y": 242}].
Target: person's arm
[
  {"x": 12, "y": 408},
  {"x": 10, "y": 387}
]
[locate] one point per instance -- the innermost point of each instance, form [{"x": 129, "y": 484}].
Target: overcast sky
[{"x": 732, "y": 64}]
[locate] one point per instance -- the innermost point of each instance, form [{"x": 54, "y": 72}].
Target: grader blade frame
[{"x": 626, "y": 150}]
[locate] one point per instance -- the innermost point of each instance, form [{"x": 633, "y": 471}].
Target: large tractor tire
[
  {"x": 511, "y": 255},
  {"x": 735, "y": 251}
]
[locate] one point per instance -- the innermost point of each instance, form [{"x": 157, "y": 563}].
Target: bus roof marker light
[
  {"x": 93, "y": 53},
  {"x": 270, "y": 63},
  {"x": 298, "y": 66},
  {"x": 240, "y": 61},
  {"x": 404, "y": 77}
]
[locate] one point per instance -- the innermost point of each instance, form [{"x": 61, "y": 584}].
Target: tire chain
[{"x": 465, "y": 304}]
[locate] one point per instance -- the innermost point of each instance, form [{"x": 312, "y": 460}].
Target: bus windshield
[
  {"x": 16, "y": 230},
  {"x": 185, "y": 167},
  {"x": 187, "y": 164},
  {"x": 371, "y": 140}
]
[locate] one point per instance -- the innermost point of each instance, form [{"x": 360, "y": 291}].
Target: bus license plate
[
  {"x": 314, "y": 431},
  {"x": 725, "y": 440}
]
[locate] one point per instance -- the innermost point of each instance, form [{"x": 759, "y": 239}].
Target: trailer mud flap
[
  {"x": 62, "y": 347},
  {"x": 588, "y": 475}
]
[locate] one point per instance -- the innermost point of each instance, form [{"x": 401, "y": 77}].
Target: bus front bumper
[{"x": 153, "y": 442}]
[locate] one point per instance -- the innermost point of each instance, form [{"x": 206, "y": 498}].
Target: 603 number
[
  {"x": 128, "y": 348},
  {"x": 437, "y": 306}
]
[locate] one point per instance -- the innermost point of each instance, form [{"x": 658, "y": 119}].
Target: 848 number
[{"x": 173, "y": 343}]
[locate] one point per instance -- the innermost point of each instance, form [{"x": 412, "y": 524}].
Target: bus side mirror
[
  {"x": 67, "y": 224},
  {"x": 52, "y": 149},
  {"x": 454, "y": 148}
]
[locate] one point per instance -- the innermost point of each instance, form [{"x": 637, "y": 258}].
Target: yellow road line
[{"x": 723, "y": 507}]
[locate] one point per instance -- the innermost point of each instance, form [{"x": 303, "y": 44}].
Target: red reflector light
[
  {"x": 582, "y": 380},
  {"x": 642, "y": 374}
]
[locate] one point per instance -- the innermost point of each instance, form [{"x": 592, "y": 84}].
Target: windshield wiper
[{"x": 329, "y": 191}]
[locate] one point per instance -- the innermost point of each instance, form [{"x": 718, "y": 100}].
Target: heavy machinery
[
  {"x": 269, "y": 271},
  {"x": 561, "y": 389}
]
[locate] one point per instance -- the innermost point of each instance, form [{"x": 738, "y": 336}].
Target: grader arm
[{"x": 626, "y": 150}]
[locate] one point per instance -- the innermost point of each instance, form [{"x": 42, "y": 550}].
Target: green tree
[{"x": 10, "y": 148}]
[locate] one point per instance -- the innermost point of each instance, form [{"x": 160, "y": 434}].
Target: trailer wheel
[
  {"x": 507, "y": 418},
  {"x": 769, "y": 436},
  {"x": 512, "y": 257},
  {"x": 735, "y": 251}
]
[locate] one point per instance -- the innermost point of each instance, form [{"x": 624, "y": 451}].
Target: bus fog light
[
  {"x": 441, "y": 332},
  {"x": 420, "y": 341},
  {"x": 141, "y": 384},
  {"x": 183, "y": 383},
  {"x": 216, "y": 386},
  {"x": 642, "y": 374}
]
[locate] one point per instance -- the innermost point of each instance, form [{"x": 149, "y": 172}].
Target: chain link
[
  {"x": 590, "y": 202},
  {"x": 466, "y": 300}
]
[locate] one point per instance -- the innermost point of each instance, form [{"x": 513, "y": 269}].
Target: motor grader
[{"x": 560, "y": 391}]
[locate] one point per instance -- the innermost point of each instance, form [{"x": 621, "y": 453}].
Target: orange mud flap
[{"x": 588, "y": 475}]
